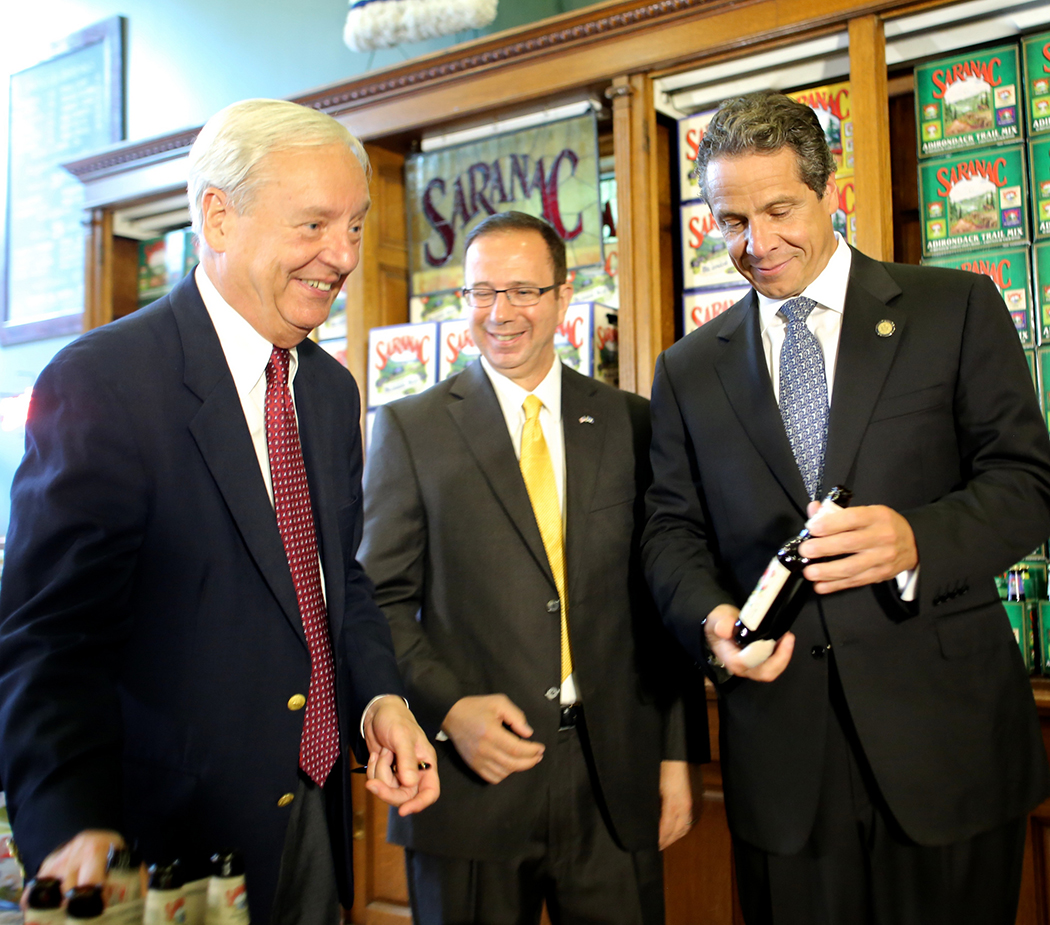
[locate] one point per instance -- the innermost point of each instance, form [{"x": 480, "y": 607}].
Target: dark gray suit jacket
[
  {"x": 460, "y": 571},
  {"x": 938, "y": 421}
]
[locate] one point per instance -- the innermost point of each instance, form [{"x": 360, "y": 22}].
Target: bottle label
[
  {"x": 761, "y": 599},
  {"x": 129, "y": 912},
  {"x": 227, "y": 901},
  {"x": 45, "y": 917},
  {"x": 164, "y": 907}
]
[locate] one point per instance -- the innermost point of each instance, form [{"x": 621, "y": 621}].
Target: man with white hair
[{"x": 187, "y": 642}]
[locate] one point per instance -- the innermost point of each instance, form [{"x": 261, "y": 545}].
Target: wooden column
[
  {"x": 377, "y": 291},
  {"x": 98, "y": 283},
  {"x": 643, "y": 332},
  {"x": 872, "y": 181}
]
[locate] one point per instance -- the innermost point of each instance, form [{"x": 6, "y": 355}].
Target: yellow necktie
[{"x": 538, "y": 473}]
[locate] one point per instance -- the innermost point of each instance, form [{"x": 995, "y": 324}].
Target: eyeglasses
[{"x": 518, "y": 296}]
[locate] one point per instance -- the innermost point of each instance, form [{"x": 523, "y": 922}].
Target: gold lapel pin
[
  {"x": 885, "y": 328},
  {"x": 586, "y": 419}
]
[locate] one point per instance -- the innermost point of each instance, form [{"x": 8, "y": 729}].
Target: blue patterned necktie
[{"x": 804, "y": 393}]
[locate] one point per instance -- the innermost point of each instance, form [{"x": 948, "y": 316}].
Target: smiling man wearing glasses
[{"x": 503, "y": 509}]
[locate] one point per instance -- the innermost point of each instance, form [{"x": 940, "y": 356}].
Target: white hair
[{"x": 236, "y": 138}]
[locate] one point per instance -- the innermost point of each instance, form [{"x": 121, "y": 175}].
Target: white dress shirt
[
  {"x": 247, "y": 354},
  {"x": 828, "y": 290},
  {"x": 511, "y": 397}
]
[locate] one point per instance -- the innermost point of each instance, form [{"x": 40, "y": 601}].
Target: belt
[{"x": 571, "y": 714}]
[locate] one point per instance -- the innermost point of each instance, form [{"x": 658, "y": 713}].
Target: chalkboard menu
[{"x": 60, "y": 109}]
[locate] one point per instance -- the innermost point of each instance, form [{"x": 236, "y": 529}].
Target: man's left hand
[
  {"x": 676, "y": 801},
  {"x": 875, "y": 540},
  {"x": 396, "y": 749}
]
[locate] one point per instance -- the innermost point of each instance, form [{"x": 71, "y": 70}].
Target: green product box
[
  {"x": 1042, "y": 362},
  {"x": 1029, "y": 355},
  {"x": 968, "y": 101},
  {"x": 1020, "y": 616},
  {"x": 973, "y": 200},
  {"x": 1035, "y": 51},
  {"x": 163, "y": 262},
  {"x": 1041, "y": 289},
  {"x": 1042, "y": 634},
  {"x": 1039, "y": 183},
  {"x": 1010, "y": 268}
]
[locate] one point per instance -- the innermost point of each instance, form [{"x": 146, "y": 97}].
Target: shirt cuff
[
  {"x": 370, "y": 704},
  {"x": 908, "y": 584}
]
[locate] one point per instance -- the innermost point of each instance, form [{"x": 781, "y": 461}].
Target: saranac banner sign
[{"x": 549, "y": 171}]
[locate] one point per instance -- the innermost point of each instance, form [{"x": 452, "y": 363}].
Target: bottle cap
[
  {"x": 227, "y": 864},
  {"x": 122, "y": 858},
  {"x": 44, "y": 893},
  {"x": 85, "y": 902},
  {"x": 166, "y": 876}
]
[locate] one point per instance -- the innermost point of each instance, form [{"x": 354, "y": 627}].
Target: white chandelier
[{"x": 385, "y": 23}]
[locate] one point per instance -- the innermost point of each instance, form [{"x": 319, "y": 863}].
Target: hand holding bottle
[
  {"x": 719, "y": 630},
  {"x": 875, "y": 543}
]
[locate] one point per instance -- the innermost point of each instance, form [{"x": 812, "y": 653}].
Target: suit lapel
[
  {"x": 223, "y": 439},
  {"x": 741, "y": 367},
  {"x": 864, "y": 359},
  {"x": 584, "y": 429},
  {"x": 480, "y": 420},
  {"x": 315, "y": 420}
]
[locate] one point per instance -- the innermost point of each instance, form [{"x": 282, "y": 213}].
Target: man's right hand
[
  {"x": 81, "y": 861},
  {"x": 476, "y": 727},
  {"x": 719, "y": 634}
]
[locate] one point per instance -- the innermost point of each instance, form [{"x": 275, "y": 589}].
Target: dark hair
[
  {"x": 764, "y": 123},
  {"x": 503, "y": 222}
]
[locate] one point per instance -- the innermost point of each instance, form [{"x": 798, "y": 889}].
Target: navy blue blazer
[{"x": 150, "y": 637}]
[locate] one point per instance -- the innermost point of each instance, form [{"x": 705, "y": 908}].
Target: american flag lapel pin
[{"x": 586, "y": 419}]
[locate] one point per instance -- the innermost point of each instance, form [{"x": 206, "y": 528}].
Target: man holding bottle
[
  {"x": 188, "y": 645},
  {"x": 880, "y": 763},
  {"x": 503, "y": 509}
]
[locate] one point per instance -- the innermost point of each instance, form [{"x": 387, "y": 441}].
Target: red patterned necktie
[{"x": 319, "y": 747}]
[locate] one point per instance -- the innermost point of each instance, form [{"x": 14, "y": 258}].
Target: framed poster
[{"x": 61, "y": 108}]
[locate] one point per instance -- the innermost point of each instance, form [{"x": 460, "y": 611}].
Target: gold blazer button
[
  {"x": 296, "y": 702},
  {"x": 286, "y": 799}
]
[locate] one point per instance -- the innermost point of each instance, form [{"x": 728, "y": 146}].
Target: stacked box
[
  {"x": 163, "y": 262},
  {"x": 596, "y": 283},
  {"x": 1010, "y": 269},
  {"x": 1041, "y": 273},
  {"x": 607, "y": 345},
  {"x": 1042, "y": 362},
  {"x": 458, "y": 349},
  {"x": 973, "y": 200},
  {"x": 1029, "y": 356},
  {"x": 1035, "y": 52},
  {"x": 437, "y": 306},
  {"x": 705, "y": 256},
  {"x": 1039, "y": 180},
  {"x": 968, "y": 101},
  {"x": 1020, "y": 614},
  {"x": 585, "y": 342},
  {"x": 690, "y": 134},
  {"x": 700, "y": 306},
  {"x": 844, "y": 219},
  {"x": 831, "y": 103},
  {"x": 1042, "y": 634},
  {"x": 402, "y": 360}
]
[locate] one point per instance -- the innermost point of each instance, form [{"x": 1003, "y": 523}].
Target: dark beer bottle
[
  {"x": 44, "y": 902},
  {"x": 768, "y": 612},
  {"x": 84, "y": 903},
  {"x": 227, "y": 899}
]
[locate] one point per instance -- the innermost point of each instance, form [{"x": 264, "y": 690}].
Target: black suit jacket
[
  {"x": 150, "y": 635},
  {"x": 938, "y": 421},
  {"x": 460, "y": 571}
]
